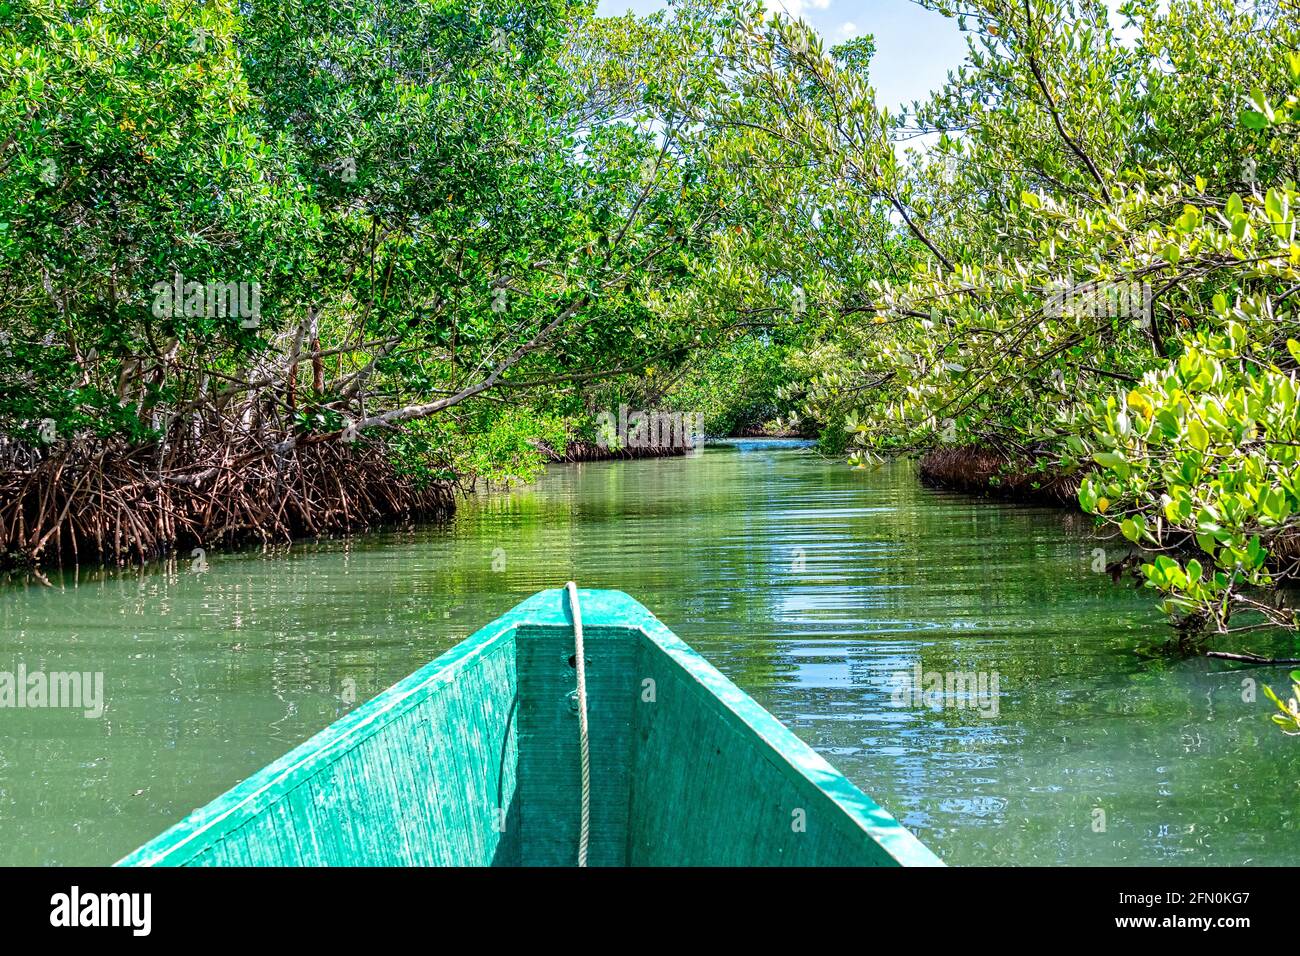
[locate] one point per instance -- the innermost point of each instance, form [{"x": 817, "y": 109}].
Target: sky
[{"x": 915, "y": 48}]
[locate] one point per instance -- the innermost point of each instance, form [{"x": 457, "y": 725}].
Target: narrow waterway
[{"x": 809, "y": 584}]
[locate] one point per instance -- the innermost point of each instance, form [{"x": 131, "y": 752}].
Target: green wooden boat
[{"x": 476, "y": 759}]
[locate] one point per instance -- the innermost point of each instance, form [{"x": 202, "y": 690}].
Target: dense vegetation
[
  {"x": 288, "y": 265},
  {"x": 281, "y": 266},
  {"x": 1122, "y": 306}
]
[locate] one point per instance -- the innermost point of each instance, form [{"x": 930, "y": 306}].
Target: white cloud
[
  {"x": 848, "y": 30},
  {"x": 798, "y": 8}
]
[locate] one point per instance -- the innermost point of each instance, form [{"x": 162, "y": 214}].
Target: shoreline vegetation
[
  {"x": 585, "y": 451},
  {"x": 985, "y": 473},
  {"x": 119, "y": 507},
  {"x": 116, "y": 507},
  {"x": 766, "y": 431}
]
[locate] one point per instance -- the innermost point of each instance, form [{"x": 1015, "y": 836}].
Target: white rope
[{"x": 581, "y": 666}]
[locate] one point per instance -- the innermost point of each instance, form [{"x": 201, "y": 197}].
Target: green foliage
[
  {"x": 437, "y": 204},
  {"x": 1289, "y": 717},
  {"x": 736, "y": 387},
  {"x": 1092, "y": 271},
  {"x": 510, "y": 449},
  {"x": 129, "y": 154}
]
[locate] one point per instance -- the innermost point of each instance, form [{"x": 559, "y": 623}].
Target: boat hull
[{"x": 473, "y": 760}]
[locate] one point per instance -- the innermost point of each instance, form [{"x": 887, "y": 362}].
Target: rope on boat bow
[{"x": 581, "y": 666}]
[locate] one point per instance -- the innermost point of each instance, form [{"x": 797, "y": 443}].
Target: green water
[{"x": 807, "y": 583}]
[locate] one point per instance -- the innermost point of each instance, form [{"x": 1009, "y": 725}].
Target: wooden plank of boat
[{"x": 474, "y": 760}]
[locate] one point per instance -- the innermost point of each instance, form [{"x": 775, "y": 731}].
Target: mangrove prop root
[
  {"x": 988, "y": 472},
  {"x": 580, "y": 451},
  {"x": 127, "y": 504}
]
